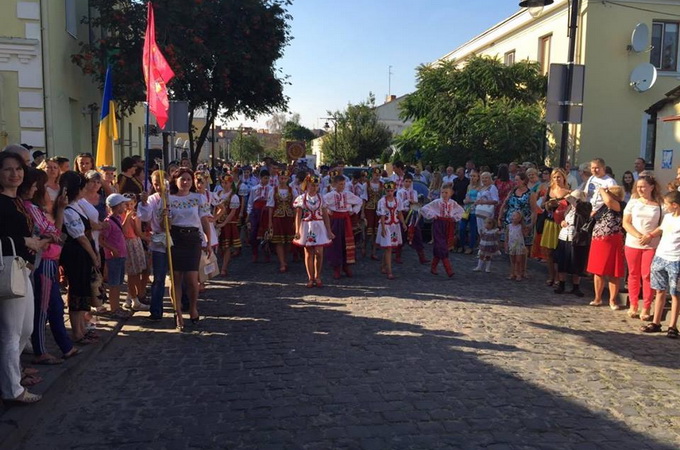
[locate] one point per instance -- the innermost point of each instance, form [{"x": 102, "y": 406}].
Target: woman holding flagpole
[{"x": 187, "y": 215}]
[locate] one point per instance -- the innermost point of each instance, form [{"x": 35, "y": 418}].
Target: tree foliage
[
  {"x": 484, "y": 110},
  {"x": 293, "y": 131},
  {"x": 247, "y": 149},
  {"x": 222, "y": 51},
  {"x": 357, "y": 135}
]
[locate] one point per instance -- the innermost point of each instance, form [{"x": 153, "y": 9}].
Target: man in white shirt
[
  {"x": 449, "y": 177},
  {"x": 639, "y": 165},
  {"x": 599, "y": 179}
]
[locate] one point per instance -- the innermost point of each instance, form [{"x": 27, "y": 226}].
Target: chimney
[{"x": 390, "y": 98}]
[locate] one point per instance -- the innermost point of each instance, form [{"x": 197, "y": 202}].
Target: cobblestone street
[{"x": 419, "y": 362}]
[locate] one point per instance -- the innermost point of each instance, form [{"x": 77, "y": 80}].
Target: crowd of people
[{"x": 85, "y": 233}]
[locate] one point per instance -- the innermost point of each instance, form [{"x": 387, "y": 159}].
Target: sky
[{"x": 342, "y": 49}]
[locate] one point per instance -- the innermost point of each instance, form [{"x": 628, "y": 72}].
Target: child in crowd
[
  {"x": 226, "y": 221},
  {"x": 342, "y": 204},
  {"x": 112, "y": 240},
  {"x": 135, "y": 262},
  {"x": 312, "y": 228},
  {"x": 282, "y": 219},
  {"x": 408, "y": 199},
  {"x": 390, "y": 227},
  {"x": 374, "y": 189},
  {"x": 488, "y": 245},
  {"x": 445, "y": 212},
  {"x": 666, "y": 266},
  {"x": 259, "y": 197},
  {"x": 358, "y": 188},
  {"x": 514, "y": 245}
]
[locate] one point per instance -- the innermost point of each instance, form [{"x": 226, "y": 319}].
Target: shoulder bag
[{"x": 12, "y": 279}]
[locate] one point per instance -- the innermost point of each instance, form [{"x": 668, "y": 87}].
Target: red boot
[
  {"x": 422, "y": 258},
  {"x": 347, "y": 270},
  {"x": 447, "y": 267},
  {"x": 336, "y": 272},
  {"x": 433, "y": 267},
  {"x": 397, "y": 255}
]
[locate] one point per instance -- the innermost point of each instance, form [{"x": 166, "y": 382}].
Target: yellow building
[
  {"x": 666, "y": 113},
  {"x": 45, "y": 100},
  {"x": 615, "y": 125}
]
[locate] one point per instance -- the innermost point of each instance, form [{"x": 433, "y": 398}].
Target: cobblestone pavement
[{"x": 419, "y": 362}]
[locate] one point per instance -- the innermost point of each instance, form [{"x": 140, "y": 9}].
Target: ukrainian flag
[{"x": 108, "y": 127}]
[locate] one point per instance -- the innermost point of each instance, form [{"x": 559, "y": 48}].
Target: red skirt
[
  {"x": 606, "y": 257},
  {"x": 371, "y": 222},
  {"x": 283, "y": 230},
  {"x": 230, "y": 236}
]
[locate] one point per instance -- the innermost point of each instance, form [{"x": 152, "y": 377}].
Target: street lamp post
[
  {"x": 335, "y": 132},
  {"x": 574, "y": 7}
]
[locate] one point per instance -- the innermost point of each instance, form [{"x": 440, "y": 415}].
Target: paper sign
[{"x": 667, "y": 159}]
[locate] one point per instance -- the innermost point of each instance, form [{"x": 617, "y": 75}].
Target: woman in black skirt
[
  {"x": 188, "y": 217},
  {"x": 78, "y": 257}
]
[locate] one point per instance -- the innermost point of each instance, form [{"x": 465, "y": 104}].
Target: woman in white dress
[{"x": 313, "y": 228}]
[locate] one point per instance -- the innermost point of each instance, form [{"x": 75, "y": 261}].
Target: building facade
[{"x": 615, "y": 123}]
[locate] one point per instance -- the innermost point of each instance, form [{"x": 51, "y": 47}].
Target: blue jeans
[
  {"x": 468, "y": 231},
  {"x": 160, "y": 271},
  {"x": 48, "y": 307}
]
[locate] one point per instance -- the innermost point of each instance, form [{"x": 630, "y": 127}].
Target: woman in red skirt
[
  {"x": 606, "y": 257},
  {"x": 282, "y": 219},
  {"x": 226, "y": 221},
  {"x": 374, "y": 191}
]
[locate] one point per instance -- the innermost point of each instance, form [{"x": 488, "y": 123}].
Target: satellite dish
[
  {"x": 639, "y": 41},
  {"x": 643, "y": 77}
]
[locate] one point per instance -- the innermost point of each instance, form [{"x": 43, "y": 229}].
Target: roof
[{"x": 672, "y": 97}]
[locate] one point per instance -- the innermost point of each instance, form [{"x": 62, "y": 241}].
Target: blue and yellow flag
[{"x": 108, "y": 126}]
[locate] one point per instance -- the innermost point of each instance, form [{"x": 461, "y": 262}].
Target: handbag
[
  {"x": 484, "y": 211},
  {"x": 208, "y": 267},
  {"x": 12, "y": 278}
]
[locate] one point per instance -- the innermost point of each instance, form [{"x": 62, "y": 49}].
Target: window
[
  {"x": 650, "y": 139},
  {"x": 71, "y": 18},
  {"x": 664, "y": 54},
  {"x": 544, "y": 53},
  {"x": 509, "y": 58}
]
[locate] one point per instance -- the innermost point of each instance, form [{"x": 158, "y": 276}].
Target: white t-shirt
[
  {"x": 592, "y": 189},
  {"x": 187, "y": 210},
  {"x": 669, "y": 246},
  {"x": 645, "y": 218}
]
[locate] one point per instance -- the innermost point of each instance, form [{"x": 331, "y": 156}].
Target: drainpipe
[{"x": 46, "y": 83}]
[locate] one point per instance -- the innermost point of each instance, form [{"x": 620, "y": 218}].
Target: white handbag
[{"x": 12, "y": 279}]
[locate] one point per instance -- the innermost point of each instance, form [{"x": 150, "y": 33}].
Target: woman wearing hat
[
  {"x": 312, "y": 228},
  {"x": 606, "y": 258},
  {"x": 571, "y": 254}
]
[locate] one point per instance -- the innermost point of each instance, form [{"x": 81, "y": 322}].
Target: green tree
[
  {"x": 247, "y": 149},
  {"x": 484, "y": 110},
  {"x": 357, "y": 135},
  {"x": 223, "y": 53},
  {"x": 293, "y": 131}
]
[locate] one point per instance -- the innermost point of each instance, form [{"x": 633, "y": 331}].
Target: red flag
[{"x": 157, "y": 72}]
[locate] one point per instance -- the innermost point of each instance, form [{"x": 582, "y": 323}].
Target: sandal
[
  {"x": 651, "y": 328},
  {"x": 48, "y": 361},
  {"x": 594, "y": 303},
  {"x": 318, "y": 283},
  {"x": 615, "y": 307},
  {"x": 672, "y": 333},
  {"x": 30, "y": 380},
  {"x": 646, "y": 317},
  {"x": 86, "y": 341},
  {"x": 74, "y": 352},
  {"x": 310, "y": 283},
  {"x": 26, "y": 398},
  {"x": 633, "y": 314}
]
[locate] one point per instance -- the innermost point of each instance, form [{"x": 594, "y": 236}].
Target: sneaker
[
  {"x": 138, "y": 306},
  {"x": 477, "y": 269}
]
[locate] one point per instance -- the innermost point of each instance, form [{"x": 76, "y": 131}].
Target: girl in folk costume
[
  {"x": 358, "y": 188},
  {"x": 313, "y": 228},
  {"x": 259, "y": 197},
  {"x": 201, "y": 182},
  {"x": 374, "y": 189},
  {"x": 282, "y": 219},
  {"x": 489, "y": 238},
  {"x": 445, "y": 212},
  {"x": 226, "y": 221},
  {"x": 390, "y": 226},
  {"x": 342, "y": 204},
  {"x": 408, "y": 199}
]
